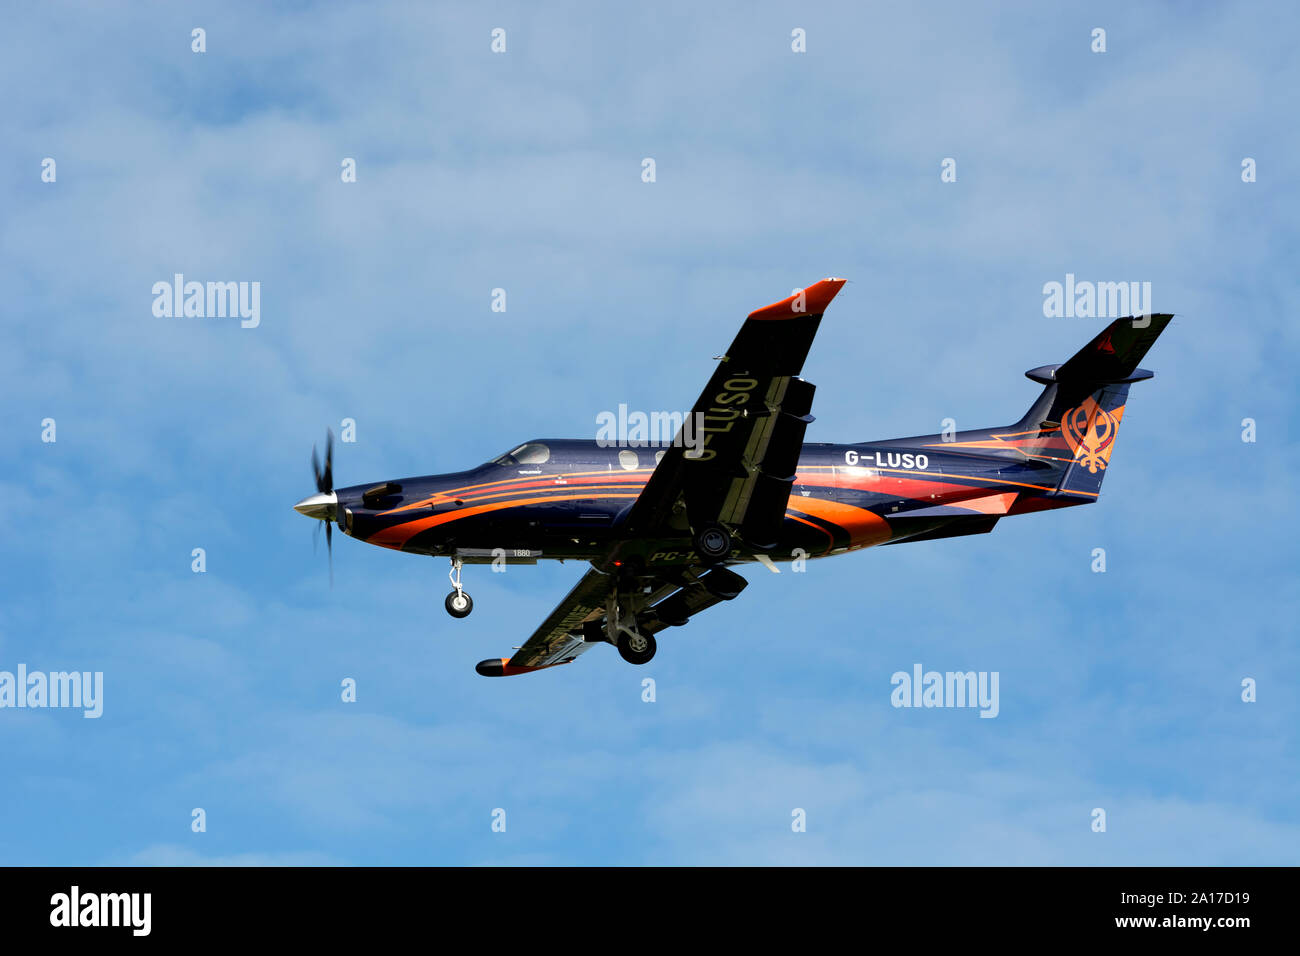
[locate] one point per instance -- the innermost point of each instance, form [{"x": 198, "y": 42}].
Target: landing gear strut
[
  {"x": 622, "y": 631},
  {"x": 458, "y": 602}
]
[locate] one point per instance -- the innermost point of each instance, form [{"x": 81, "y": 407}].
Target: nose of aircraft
[{"x": 322, "y": 506}]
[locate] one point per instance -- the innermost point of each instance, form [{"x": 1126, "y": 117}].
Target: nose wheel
[{"x": 458, "y": 603}]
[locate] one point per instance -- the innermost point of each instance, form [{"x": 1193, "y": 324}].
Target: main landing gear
[
  {"x": 622, "y": 630},
  {"x": 636, "y": 648},
  {"x": 458, "y": 602},
  {"x": 712, "y": 543}
]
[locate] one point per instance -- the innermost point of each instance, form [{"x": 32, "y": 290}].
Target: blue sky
[{"x": 522, "y": 171}]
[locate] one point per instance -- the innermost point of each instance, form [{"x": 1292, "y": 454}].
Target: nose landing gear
[{"x": 458, "y": 603}]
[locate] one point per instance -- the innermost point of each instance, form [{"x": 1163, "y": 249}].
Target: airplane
[{"x": 662, "y": 527}]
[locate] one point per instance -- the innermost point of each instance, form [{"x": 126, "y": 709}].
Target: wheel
[
  {"x": 459, "y": 604},
  {"x": 637, "y": 648},
  {"x": 713, "y": 542}
]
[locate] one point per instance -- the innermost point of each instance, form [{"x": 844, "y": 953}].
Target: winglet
[{"x": 806, "y": 302}]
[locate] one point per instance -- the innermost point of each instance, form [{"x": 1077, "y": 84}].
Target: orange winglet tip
[
  {"x": 806, "y": 302},
  {"x": 501, "y": 667}
]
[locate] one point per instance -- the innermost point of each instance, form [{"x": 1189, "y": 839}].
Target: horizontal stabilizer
[{"x": 1110, "y": 360}]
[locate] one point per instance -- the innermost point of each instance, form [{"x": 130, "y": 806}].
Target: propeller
[
  {"x": 325, "y": 479},
  {"x": 324, "y": 505}
]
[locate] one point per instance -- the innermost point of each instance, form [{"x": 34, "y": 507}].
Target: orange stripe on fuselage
[
  {"x": 579, "y": 479},
  {"x": 830, "y": 538},
  {"x": 396, "y": 536},
  {"x": 606, "y": 473},
  {"x": 588, "y": 484},
  {"x": 864, "y": 527},
  {"x": 907, "y": 487}
]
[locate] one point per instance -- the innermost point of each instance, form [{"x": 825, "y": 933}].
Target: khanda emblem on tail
[{"x": 1090, "y": 430}]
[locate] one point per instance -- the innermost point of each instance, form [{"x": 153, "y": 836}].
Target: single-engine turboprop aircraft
[{"x": 663, "y": 527}]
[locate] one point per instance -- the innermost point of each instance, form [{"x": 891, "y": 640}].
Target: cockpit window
[{"x": 532, "y": 453}]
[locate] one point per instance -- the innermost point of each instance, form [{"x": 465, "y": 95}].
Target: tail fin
[{"x": 1076, "y": 418}]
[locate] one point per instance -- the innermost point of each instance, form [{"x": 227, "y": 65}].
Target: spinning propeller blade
[{"x": 324, "y": 505}]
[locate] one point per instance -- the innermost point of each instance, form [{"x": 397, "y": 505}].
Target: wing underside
[
  {"x": 559, "y": 639},
  {"x": 644, "y": 603}
]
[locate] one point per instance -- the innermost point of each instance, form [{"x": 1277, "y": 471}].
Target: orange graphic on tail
[{"x": 1090, "y": 430}]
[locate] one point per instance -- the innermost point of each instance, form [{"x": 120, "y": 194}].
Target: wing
[
  {"x": 733, "y": 461},
  {"x": 653, "y": 601},
  {"x": 560, "y": 638}
]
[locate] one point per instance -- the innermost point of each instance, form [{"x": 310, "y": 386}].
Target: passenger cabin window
[{"x": 532, "y": 453}]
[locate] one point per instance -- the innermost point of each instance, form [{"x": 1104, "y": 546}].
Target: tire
[
  {"x": 712, "y": 543},
  {"x": 637, "y": 650},
  {"x": 459, "y": 604}
]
